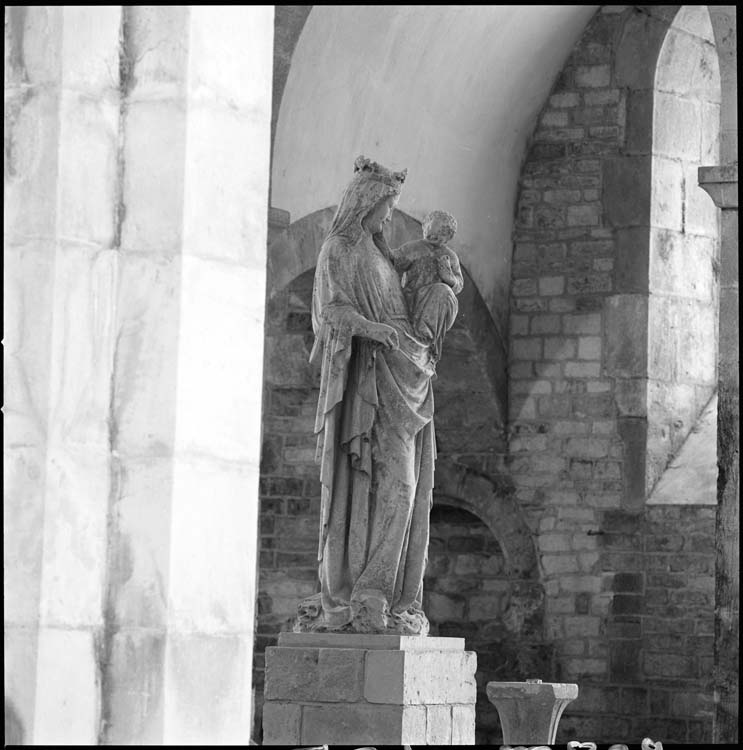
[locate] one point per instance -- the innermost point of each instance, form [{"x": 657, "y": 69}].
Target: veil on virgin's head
[{"x": 371, "y": 184}]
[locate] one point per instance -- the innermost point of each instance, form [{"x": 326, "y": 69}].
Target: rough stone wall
[
  {"x": 628, "y": 588},
  {"x": 627, "y": 623},
  {"x": 470, "y": 592},
  {"x": 659, "y": 632}
]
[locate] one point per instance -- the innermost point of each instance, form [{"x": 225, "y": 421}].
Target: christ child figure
[{"x": 431, "y": 277}]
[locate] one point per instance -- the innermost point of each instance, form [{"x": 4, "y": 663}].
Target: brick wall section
[
  {"x": 659, "y": 631},
  {"x": 627, "y": 624},
  {"x": 468, "y": 592},
  {"x": 565, "y": 451},
  {"x": 289, "y": 482},
  {"x": 628, "y": 607}
]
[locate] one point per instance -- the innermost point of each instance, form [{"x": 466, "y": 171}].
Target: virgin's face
[{"x": 379, "y": 215}]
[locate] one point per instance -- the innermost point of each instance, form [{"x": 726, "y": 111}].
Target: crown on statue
[{"x": 375, "y": 171}]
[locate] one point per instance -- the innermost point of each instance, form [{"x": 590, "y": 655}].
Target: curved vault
[{"x": 451, "y": 92}]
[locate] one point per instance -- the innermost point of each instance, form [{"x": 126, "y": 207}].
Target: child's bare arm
[
  {"x": 450, "y": 270},
  {"x": 446, "y": 274}
]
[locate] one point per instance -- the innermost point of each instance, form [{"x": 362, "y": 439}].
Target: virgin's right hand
[{"x": 385, "y": 335}]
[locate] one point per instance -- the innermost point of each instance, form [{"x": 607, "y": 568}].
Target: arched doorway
[{"x": 483, "y": 583}]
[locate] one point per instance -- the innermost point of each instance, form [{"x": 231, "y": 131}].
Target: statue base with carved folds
[{"x": 345, "y": 689}]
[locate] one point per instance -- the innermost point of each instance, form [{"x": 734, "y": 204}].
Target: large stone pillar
[
  {"x": 136, "y": 202},
  {"x": 722, "y": 185},
  {"x": 721, "y": 182},
  {"x": 62, "y": 131},
  {"x": 185, "y": 404}
]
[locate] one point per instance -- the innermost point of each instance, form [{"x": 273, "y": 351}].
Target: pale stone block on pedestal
[
  {"x": 429, "y": 677},
  {"x": 414, "y": 723},
  {"x": 372, "y": 689},
  {"x": 463, "y": 725},
  {"x": 438, "y": 725}
]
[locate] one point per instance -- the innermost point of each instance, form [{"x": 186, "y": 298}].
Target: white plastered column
[
  {"x": 189, "y": 373},
  {"x": 135, "y": 261},
  {"x": 60, "y": 275}
]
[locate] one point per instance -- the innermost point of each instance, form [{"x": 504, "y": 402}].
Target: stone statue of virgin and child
[{"x": 379, "y": 316}]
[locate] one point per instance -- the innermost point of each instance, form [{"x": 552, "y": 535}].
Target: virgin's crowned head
[{"x": 371, "y": 184}]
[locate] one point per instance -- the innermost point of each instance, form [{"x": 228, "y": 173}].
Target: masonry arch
[
  {"x": 461, "y": 487},
  {"x": 377, "y": 80},
  {"x": 482, "y": 582}
]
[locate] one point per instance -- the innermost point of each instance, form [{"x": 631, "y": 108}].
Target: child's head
[{"x": 439, "y": 227}]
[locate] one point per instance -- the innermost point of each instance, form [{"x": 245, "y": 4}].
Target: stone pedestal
[
  {"x": 369, "y": 689},
  {"x": 530, "y": 711}
]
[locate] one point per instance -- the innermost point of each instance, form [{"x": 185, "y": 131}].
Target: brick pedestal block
[
  {"x": 369, "y": 689},
  {"x": 530, "y": 711}
]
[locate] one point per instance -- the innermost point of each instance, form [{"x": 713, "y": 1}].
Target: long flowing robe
[{"x": 376, "y": 447}]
